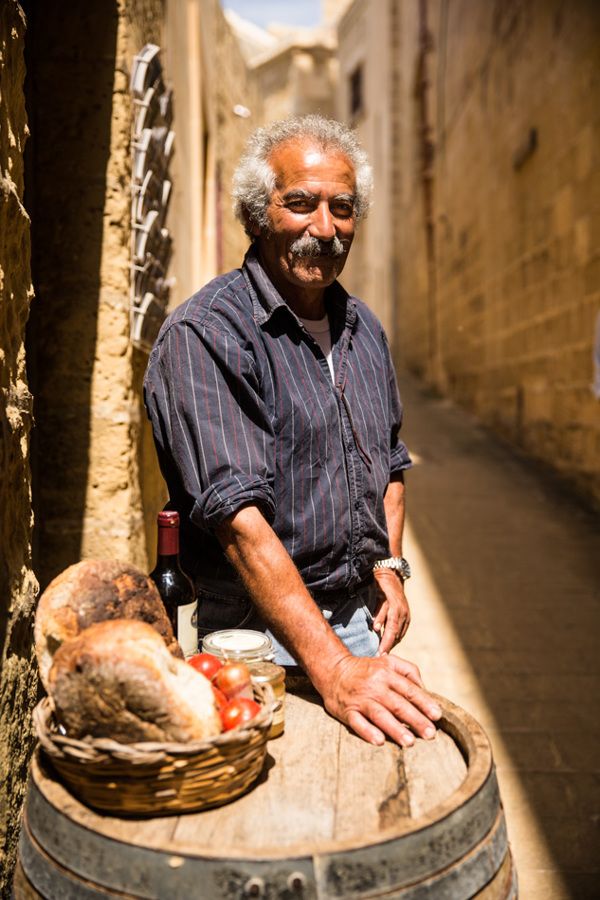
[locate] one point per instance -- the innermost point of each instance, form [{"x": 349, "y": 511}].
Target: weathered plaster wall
[
  {"x": 18, "y": 586},
  {"x": 503, "y": 316}
]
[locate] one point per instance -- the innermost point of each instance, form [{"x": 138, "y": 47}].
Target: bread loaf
[
  {"x": 94, "y": 591},
  {"x": 117, "y": 679}
]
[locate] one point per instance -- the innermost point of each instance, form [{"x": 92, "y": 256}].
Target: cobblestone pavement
[{"x": 505, "y": 602}]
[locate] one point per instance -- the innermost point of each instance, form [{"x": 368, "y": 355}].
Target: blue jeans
[{"x": 349, "y": 612}]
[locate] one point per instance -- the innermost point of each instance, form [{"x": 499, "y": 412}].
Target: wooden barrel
[{"x": 331, "y": 817}]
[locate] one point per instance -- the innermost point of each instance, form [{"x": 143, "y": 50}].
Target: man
[{"x": 276, "y": 414}]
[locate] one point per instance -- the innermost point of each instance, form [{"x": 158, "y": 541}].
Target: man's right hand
[
  {"x": 381, "y": 696},
  {"x": 376, "y": 696}
]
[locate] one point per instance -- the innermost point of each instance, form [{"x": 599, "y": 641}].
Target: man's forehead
[
  {"x": 297, "y": 161},
  {"x": 312, "y": 155},
  {"x": 306, "y": 146}
]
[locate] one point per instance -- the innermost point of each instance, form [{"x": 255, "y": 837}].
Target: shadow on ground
[{"x": 517, "y": 563}]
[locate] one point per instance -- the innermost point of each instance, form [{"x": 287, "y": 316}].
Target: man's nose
[{"x": 322, "y": 225}]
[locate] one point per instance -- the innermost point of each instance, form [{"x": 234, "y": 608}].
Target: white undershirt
[{"x": 319, "y": 329}]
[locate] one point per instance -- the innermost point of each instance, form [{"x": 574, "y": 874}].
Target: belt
[{"x": 332, "y": 598}]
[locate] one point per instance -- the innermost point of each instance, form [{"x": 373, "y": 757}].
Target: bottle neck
[{"x": 168, "y": 542}]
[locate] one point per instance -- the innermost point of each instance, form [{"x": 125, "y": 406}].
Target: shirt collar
[{"x": 266, "y": 299}]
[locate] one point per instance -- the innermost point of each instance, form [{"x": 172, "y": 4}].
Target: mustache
[{"x": 312, "y": 246}]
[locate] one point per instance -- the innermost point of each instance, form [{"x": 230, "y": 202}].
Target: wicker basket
[{"x": 154, "y": 778}]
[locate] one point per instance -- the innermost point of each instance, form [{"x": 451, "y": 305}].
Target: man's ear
[{"x": 251, "y": 228}]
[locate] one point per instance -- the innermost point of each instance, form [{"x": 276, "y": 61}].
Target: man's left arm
[{"x": 393, "y": 615}]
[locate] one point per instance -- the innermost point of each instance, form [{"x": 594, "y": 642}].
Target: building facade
[
  {"x": 297, "y": 78},
  {"x": 294, "y": 70},
  {"x": 367, "y": 99},
  {"x": 490, "y": 179}
]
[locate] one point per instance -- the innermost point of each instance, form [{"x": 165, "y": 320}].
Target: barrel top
[{"x": 322, "y": 787}]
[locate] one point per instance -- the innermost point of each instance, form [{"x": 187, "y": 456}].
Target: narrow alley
[
  {"x": 122, "y": 128},
  {"x": 505, "y": 620}
]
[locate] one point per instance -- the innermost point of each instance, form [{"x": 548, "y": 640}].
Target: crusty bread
[
  {"x": 117, "y": 679},
  {"x": 93, "y": 591}
]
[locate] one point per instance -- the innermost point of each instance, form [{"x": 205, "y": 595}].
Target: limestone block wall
[
  {"x": 90, "y": 467},
  {"x": 500, "y": 310},
  {"x": 18, "y": 587}
]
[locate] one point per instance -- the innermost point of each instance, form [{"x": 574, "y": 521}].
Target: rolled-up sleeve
[
  {"x": 399, "y": 455},
  {"x": 203, "y": 396}
]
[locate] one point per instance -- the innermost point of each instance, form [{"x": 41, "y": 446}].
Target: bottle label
[{"x": 187, "y": 631}]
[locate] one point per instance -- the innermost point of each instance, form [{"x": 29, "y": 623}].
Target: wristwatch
[{"x": 397, "y": 563}]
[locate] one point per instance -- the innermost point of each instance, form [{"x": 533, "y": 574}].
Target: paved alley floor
[{"x": 505, "y": 604}]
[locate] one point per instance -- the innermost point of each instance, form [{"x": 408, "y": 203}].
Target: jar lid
[
  {"x": 238, "y": 643},
  {"x": 267, "y": 672}
]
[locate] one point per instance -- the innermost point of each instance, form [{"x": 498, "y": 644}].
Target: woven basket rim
[{"x": 90, "y": 749}]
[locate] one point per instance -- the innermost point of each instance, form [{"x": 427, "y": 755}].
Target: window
[{"x": 356, "y": 92}]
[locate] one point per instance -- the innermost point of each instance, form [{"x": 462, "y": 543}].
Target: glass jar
[
  {"x": 239, "y": 644},
  {"x": 256, "y": 650},
  {"x": 274, "y": 675}
]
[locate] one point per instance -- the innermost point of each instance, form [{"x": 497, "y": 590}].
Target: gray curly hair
[{"x": 254, "y": 179}]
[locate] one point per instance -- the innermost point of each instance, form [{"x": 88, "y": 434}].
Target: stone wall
[
  {"x": 18, "y": 586},
  {"x": 95, "y": 481},
  {"x": 499, "y": 308},
  {"x": 89, "y": 465}
]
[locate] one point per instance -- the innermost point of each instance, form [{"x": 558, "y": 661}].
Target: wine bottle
[{"x": 174, "y": 586}]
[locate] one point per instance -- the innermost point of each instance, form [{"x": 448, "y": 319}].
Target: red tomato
[
  {"x": 206, "y": 663},
  {"x": 239, "y": 711},
  {"x": 220, "y": 697},
  {"x": 234, "y": 679}
]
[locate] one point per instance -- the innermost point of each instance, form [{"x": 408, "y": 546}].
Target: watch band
[{"x": 396, "y": 563}]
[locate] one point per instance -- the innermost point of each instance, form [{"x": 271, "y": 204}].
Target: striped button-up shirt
[{"x": 244, "y": 410}]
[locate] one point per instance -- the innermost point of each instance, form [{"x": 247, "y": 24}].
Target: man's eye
[
  {"x": 342, "y": 210},
  {"x": 300, "y": 206}
]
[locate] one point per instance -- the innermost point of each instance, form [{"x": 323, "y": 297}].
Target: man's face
[{"x": 311, "y": 217}]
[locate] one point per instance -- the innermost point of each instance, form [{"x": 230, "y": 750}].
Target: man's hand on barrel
[{"x": 381, "y": 696}]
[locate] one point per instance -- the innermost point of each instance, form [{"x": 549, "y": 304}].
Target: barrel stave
[{"x": 406, "y": 845}]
